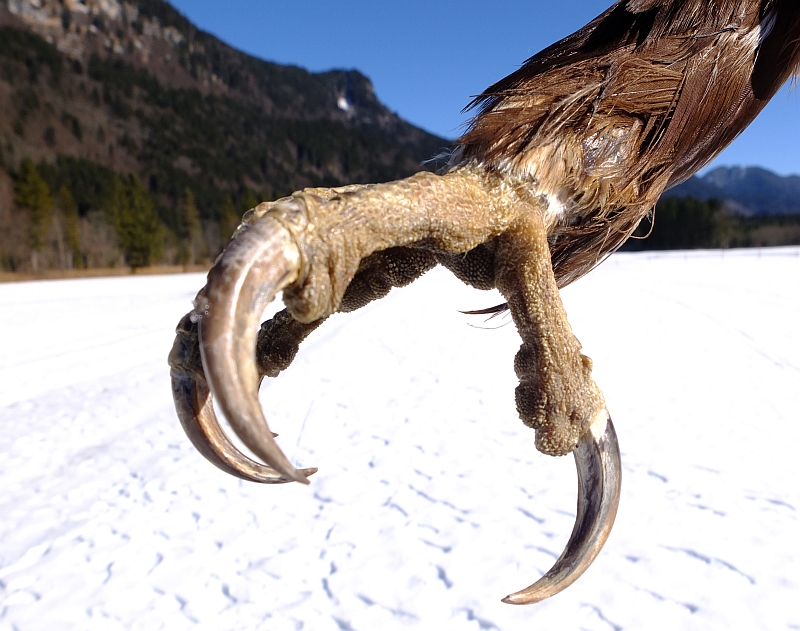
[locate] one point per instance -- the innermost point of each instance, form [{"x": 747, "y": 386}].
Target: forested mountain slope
[
  {"x": 745, "y": 191},
  {"x": 128, "y": 135}
]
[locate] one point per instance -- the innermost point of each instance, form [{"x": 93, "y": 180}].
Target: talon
[
  {"x": 261, "y": 262},
  {"x": 599, "y": 467},
  {"x": 562, "y": 161},
  {"x": 195, "y": 410},
  {"x": 196, "y": 414}
]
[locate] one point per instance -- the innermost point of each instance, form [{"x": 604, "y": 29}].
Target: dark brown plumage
[{"x": 635, "y": 102}]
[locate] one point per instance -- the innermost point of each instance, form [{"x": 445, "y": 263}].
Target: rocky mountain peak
[
  {"x": 72, "y": 26},
  {"x": 748, "y": 191},
  {"x": 153, "y": 35},
  {"x": 103, "y": 96}
]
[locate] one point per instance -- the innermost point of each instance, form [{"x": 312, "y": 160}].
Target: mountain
[
  {"x": 729, "y": 207},
  {"x": 96, "y": 92},
  {"x": 744, "y": 191}
]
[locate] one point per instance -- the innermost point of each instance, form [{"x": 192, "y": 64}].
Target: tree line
[
  {"x": 685, "y": 223},
  {"x": 93, "y": 121},
  {"x": 77, "y": 214}
]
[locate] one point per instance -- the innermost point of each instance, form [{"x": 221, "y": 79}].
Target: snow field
[{"x": 431, "y": 503}]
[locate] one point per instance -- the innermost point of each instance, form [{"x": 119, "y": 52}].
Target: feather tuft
[{"x": 634, "y": 102}]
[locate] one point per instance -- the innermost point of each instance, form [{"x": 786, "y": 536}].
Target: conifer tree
[
  {"x": 229, "y": 221},
  {"x": 31, "y": 192},
  {"x": 69, "y": 211},
  {"x": 192, "y": 247},
  {"x": 138, "y": 228},
  {"x": 249, "y": 199}
]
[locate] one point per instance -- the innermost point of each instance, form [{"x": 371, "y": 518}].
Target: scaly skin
[
  {"x": 488, "y": 231},
  {"x": 562, "y": 161}
]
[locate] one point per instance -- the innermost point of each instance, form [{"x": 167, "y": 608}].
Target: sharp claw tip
[
  {"x": 519, "y": 598},
  {"x": 299, "y": 475}
]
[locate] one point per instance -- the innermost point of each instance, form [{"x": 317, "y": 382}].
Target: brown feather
[{"x": 634, "y": 102}]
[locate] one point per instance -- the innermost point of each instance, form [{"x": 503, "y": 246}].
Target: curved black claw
[
  {"x": 257, "y": 265},
  {"x": 195, "y": 410},
  {"x": 599, "y": 467},
  {"x": 196, "y": 413}
]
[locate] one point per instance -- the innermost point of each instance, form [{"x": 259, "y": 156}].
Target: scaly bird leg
[
  {"x": 322, "y": 251},
  {"x": 280, "y": 337},
  {"x": 311, "y": 247},
  {"x": 558, "y": 398}
]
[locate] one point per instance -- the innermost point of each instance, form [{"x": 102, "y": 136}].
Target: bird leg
[
  {"x": 311, "y": 247},
  {"x": 337, "y": 249},
  {"x": 556, "y": 395},
  {"x": 559, "y": 399},
  {"x": 281, "y": 336}
]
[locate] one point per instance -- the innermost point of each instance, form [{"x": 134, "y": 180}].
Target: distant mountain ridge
[
  {"x": 130, "y": 67},
  {"x": 129, "y": 136},
  {"x": 745, "y": 191},
  {"x": 96, "y": 90},
  {"x": 152, "y": 34}
]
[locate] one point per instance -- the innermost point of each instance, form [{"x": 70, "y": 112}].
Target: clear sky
[{"x": 426, "y": 58}]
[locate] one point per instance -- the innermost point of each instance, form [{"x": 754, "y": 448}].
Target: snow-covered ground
[{"x": 431, "y": 503}]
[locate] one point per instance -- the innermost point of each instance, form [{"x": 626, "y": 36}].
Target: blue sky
[{"x": 426, "y": 58}]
